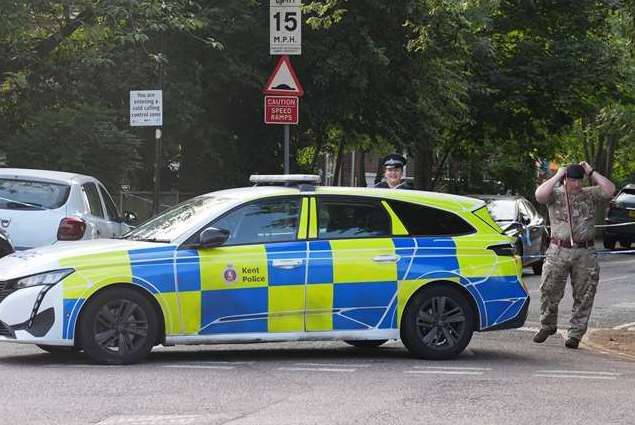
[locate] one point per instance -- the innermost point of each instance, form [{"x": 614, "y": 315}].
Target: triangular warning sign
[{"x": 283, "y": 81}]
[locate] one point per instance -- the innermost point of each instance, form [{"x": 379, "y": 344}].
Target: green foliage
[
  {"x": 67, "y": 138},
  {"x": 476, "y": 90}
]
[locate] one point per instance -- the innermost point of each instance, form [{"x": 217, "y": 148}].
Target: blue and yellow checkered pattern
[{"x": 329, "y": 286}]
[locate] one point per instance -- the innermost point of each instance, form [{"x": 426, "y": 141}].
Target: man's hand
[
  {"x": 587, "y": 167},
  {"x": 560, "y": 173}
]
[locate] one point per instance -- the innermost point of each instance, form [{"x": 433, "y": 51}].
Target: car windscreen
[
  {"x": 32, "y": 194},
  {"x": 177, "y": 220},
  {"x": 627, "y": 198},
  {"x": 502, "y": 209}
]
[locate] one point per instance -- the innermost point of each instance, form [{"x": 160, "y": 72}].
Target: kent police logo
[{"x": 230, "y": 274}]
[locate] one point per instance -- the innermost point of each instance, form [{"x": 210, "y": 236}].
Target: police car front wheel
[
  {"x": 438, "y": 323},
  {"x": 119, "y": 326}
]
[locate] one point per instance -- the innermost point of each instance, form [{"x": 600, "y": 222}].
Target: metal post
[
  {"x": 353, "y": 169},
  {"x": 157, "y": 174},
  {"x": 286, "y": 148}
]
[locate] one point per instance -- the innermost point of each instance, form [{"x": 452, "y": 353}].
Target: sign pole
[
  {"x": 286, "y": 149},
  {"x": 157, "y": 175},
  {"x": 283, "y": 87}
]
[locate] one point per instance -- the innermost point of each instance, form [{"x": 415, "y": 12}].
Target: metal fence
[{"x": 140, "y": 203}]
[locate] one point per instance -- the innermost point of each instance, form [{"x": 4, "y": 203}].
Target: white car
[{"x": 39, "y": 207}]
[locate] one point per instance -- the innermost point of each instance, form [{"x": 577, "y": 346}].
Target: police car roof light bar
[{"x": 285, "y": 179}]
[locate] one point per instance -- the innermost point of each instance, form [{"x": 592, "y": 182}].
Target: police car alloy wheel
[
  {"x": 119, "y": 326},
  {"x": 437, "y": 324}
]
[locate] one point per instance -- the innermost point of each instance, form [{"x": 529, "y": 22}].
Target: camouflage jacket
[{"x": 583, "y": 204}]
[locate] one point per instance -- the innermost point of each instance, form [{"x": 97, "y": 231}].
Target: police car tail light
[
  {"x": 504, "y": 250},
  {"x": 71, "y": 229},
  {"x": 42, "y": 279}
]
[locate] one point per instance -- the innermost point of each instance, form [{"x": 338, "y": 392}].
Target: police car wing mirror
[
  {"x": 212, "y": 237},
  {"x": 512, "y": 229}
]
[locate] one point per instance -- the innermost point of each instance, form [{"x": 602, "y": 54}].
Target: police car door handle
[
  {"x": 386, "y": 258},
  {"x": 287, "y": 264}
]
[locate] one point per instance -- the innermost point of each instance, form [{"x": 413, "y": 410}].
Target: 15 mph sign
[
  {"x": 281, "y": 109},
  {"x": 285, "y": 27}
]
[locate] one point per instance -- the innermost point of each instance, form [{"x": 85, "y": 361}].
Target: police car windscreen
[
  {"x": 175, "y": 221},
  {"x": 32, "y": 195}
]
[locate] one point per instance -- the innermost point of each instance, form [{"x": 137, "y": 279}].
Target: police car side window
[
  {"x": 427, "y": 221},
  {"x": 339, "y": 219},
  {"x": 262, "y": 222}
]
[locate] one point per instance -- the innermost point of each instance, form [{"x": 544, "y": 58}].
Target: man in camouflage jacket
[{"x": 572, "y": 212}]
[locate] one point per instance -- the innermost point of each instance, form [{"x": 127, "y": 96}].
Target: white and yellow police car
[{"x": 288, "y": 262}]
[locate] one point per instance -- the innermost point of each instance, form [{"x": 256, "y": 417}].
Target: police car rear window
[{"x": 426, "y": 221}]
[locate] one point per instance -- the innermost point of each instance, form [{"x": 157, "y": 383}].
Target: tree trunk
[
  {"x": 337, "y": 173},
  {"x": 318, "y": 147},
  {"x": 361, "y": 177},
  {"x": 611, "y": 142},
  {"x": 423, "y": 167}
]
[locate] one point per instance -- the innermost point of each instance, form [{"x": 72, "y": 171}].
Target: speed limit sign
[{"x": 285, "y": 27}]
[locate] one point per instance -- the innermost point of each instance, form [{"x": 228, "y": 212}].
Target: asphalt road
[{"x": 502, "y": 378}]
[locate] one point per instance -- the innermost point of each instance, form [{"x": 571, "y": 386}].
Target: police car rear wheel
[
  {"x": 119, "y": 326},
  {"x": 370, "y": 343},
  {"x": 437, "y": 324}
]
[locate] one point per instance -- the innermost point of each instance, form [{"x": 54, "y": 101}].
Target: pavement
[{"x": 618, "y": 342}]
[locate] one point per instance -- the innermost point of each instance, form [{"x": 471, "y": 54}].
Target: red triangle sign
[{"x": 283, "y": 81}]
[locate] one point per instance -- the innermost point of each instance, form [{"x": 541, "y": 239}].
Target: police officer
[
  {"x": 393, "y": 170},
  {"x": 572, "y": 211}
]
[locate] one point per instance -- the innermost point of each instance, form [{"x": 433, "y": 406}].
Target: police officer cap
[
  {"x": 394, "y": 160},
  {"x": 575, "y": 171}
]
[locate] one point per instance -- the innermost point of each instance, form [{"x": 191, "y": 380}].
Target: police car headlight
[{"x": 42, "y": 279}]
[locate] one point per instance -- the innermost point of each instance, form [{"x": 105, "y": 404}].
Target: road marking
[
  {"x": 628, "y": 306},
  {"x": 443, "y": 372},
  {"x": 475, "y": 369},
  {"x": 613, "y": 279},
  {"x": 86, "y": 366},
  {"x": 315, "y": 369},
  {"x": 163, "y": 419},
  {"x": 345, "y": 365},
  {"x": 562, "y": 332},
  {"x": 625, "y": 325},
  {"x": 197, "y": 366},
  {"x": 545, "y": 375},
  {"x": 579, "y": 372}
]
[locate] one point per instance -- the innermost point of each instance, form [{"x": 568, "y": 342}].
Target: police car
[{"x": 291, "y": 261}]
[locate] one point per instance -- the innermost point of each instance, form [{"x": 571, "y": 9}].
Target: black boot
[
  {"x": 543, "y": 334},
  {"x": 572, "y": 343}
]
